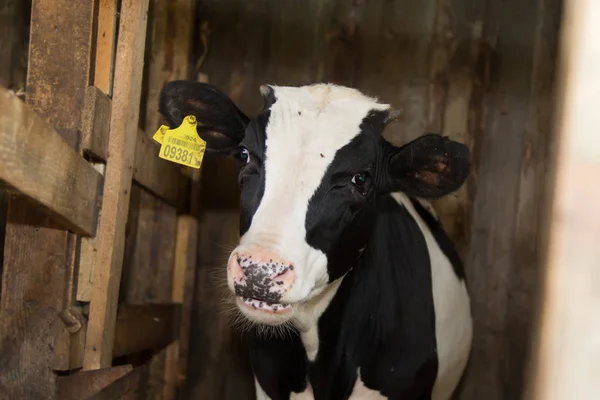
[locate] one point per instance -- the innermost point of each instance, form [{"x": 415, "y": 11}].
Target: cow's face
[{"x": 311, "y": 164}]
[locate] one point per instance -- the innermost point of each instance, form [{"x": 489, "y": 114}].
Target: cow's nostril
[{"x": 281, "y": 273}]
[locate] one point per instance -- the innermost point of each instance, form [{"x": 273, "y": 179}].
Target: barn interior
[
  {"x": 478, "y": 71},
  {"x": 483, "y": 72}
]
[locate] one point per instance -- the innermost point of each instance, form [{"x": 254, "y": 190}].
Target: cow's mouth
[{"x": 264, "y": 306}]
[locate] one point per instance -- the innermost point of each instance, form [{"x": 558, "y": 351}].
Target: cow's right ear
[{"x": 219, "y": 121}]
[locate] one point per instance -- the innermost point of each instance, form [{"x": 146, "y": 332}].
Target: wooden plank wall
[
  {"x": 56, "y": 83},
  {"x": 479, "y": 71}
]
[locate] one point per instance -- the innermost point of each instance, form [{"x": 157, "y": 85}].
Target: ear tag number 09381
[{"x": 181, "y": 145}]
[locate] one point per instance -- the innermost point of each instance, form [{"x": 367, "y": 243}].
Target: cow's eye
[
  {"x": 244, "y": 156},
  {"x": 361, "y": 181}
]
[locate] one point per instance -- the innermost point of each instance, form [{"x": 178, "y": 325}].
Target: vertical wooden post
[
  {"x": 117, "y": 188},
  {"x": 569, "y": 350}
]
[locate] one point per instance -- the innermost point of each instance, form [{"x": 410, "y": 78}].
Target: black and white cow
[{"x": 337, "y": 244}]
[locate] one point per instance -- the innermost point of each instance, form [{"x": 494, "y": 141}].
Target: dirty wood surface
[
  {"x": 117, "y": 189},
  {"x": 40, "y": 280}
]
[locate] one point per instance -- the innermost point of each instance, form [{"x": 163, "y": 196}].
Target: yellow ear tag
[{"x": 182, "y": 145}]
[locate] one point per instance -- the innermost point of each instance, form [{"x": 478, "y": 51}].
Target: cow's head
[{"x": 311, "y": 164}]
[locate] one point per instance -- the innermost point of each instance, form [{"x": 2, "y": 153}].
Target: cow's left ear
[
  {"x": 219, "y": 121},
  {"x": 430, "y": 166}
]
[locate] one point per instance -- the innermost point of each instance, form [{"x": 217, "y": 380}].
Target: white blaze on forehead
[{"x": 306, "y": 127}]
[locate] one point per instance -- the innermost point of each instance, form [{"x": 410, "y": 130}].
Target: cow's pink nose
[{"x": 261, "y": 275}]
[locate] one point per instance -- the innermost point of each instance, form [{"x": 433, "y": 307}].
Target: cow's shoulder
[{"x": 381, "y": 321}]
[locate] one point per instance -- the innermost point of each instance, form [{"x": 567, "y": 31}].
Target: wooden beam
[
  {"x": 164, "y": 179},
  {"x": 125, "y": 387},
  {"x": 38, "y": 260},
  {"x": 184, "y": 274},
  {"x": 39, "y": 164},
  {"x": 105, "y": 45},
  {"x": 568, "y": 353},
  {"x": 145, "y": 327},
  {"x": 84, "y": 384},
  {"x": 117, "y": 188}
]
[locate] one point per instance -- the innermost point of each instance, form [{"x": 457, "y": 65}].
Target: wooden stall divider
[
  {"x": 117, "y": 190},
  {"x": 39, "y": 260}
]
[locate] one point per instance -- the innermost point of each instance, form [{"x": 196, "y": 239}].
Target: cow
[{"x": 340, "y": 252}]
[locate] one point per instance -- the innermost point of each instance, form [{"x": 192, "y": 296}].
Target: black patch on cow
[
  {"x": 442, "y": 239},
  {"x": 339, "y": 217},
  {"x": 252, "y": 176},
  {"x": 382, "y": 318},
  {"x": 279, "y": 363}
]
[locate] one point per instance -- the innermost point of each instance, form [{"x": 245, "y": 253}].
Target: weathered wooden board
[
  {"x": 117, "y": 189},
  {"x": 39, "y": 164},
  {"x": 128, "y": 387},
  {"x": 82, "y": 385},
  {"x": 105, "y": 43},
  {"x": 40, "y": 280},
  {"x": 568, "y": 355},
  {"x": 184, "y": 274}
]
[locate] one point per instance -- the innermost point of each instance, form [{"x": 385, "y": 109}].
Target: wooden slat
[
  {"x": 569, "y": 350},
  {"x": 105, "y": 45},
  {"x": 163, "y": 178},
  {"x": 37, "y": 162},
  {"x": 126, "y": 387},
  {"x": 184, "y": 273},
  {"x": 145, "y": 327},
  {"x": 84, "y": 384},
  {"x": 117, "y": 188},
  {"x": 38, "y": 260}
]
